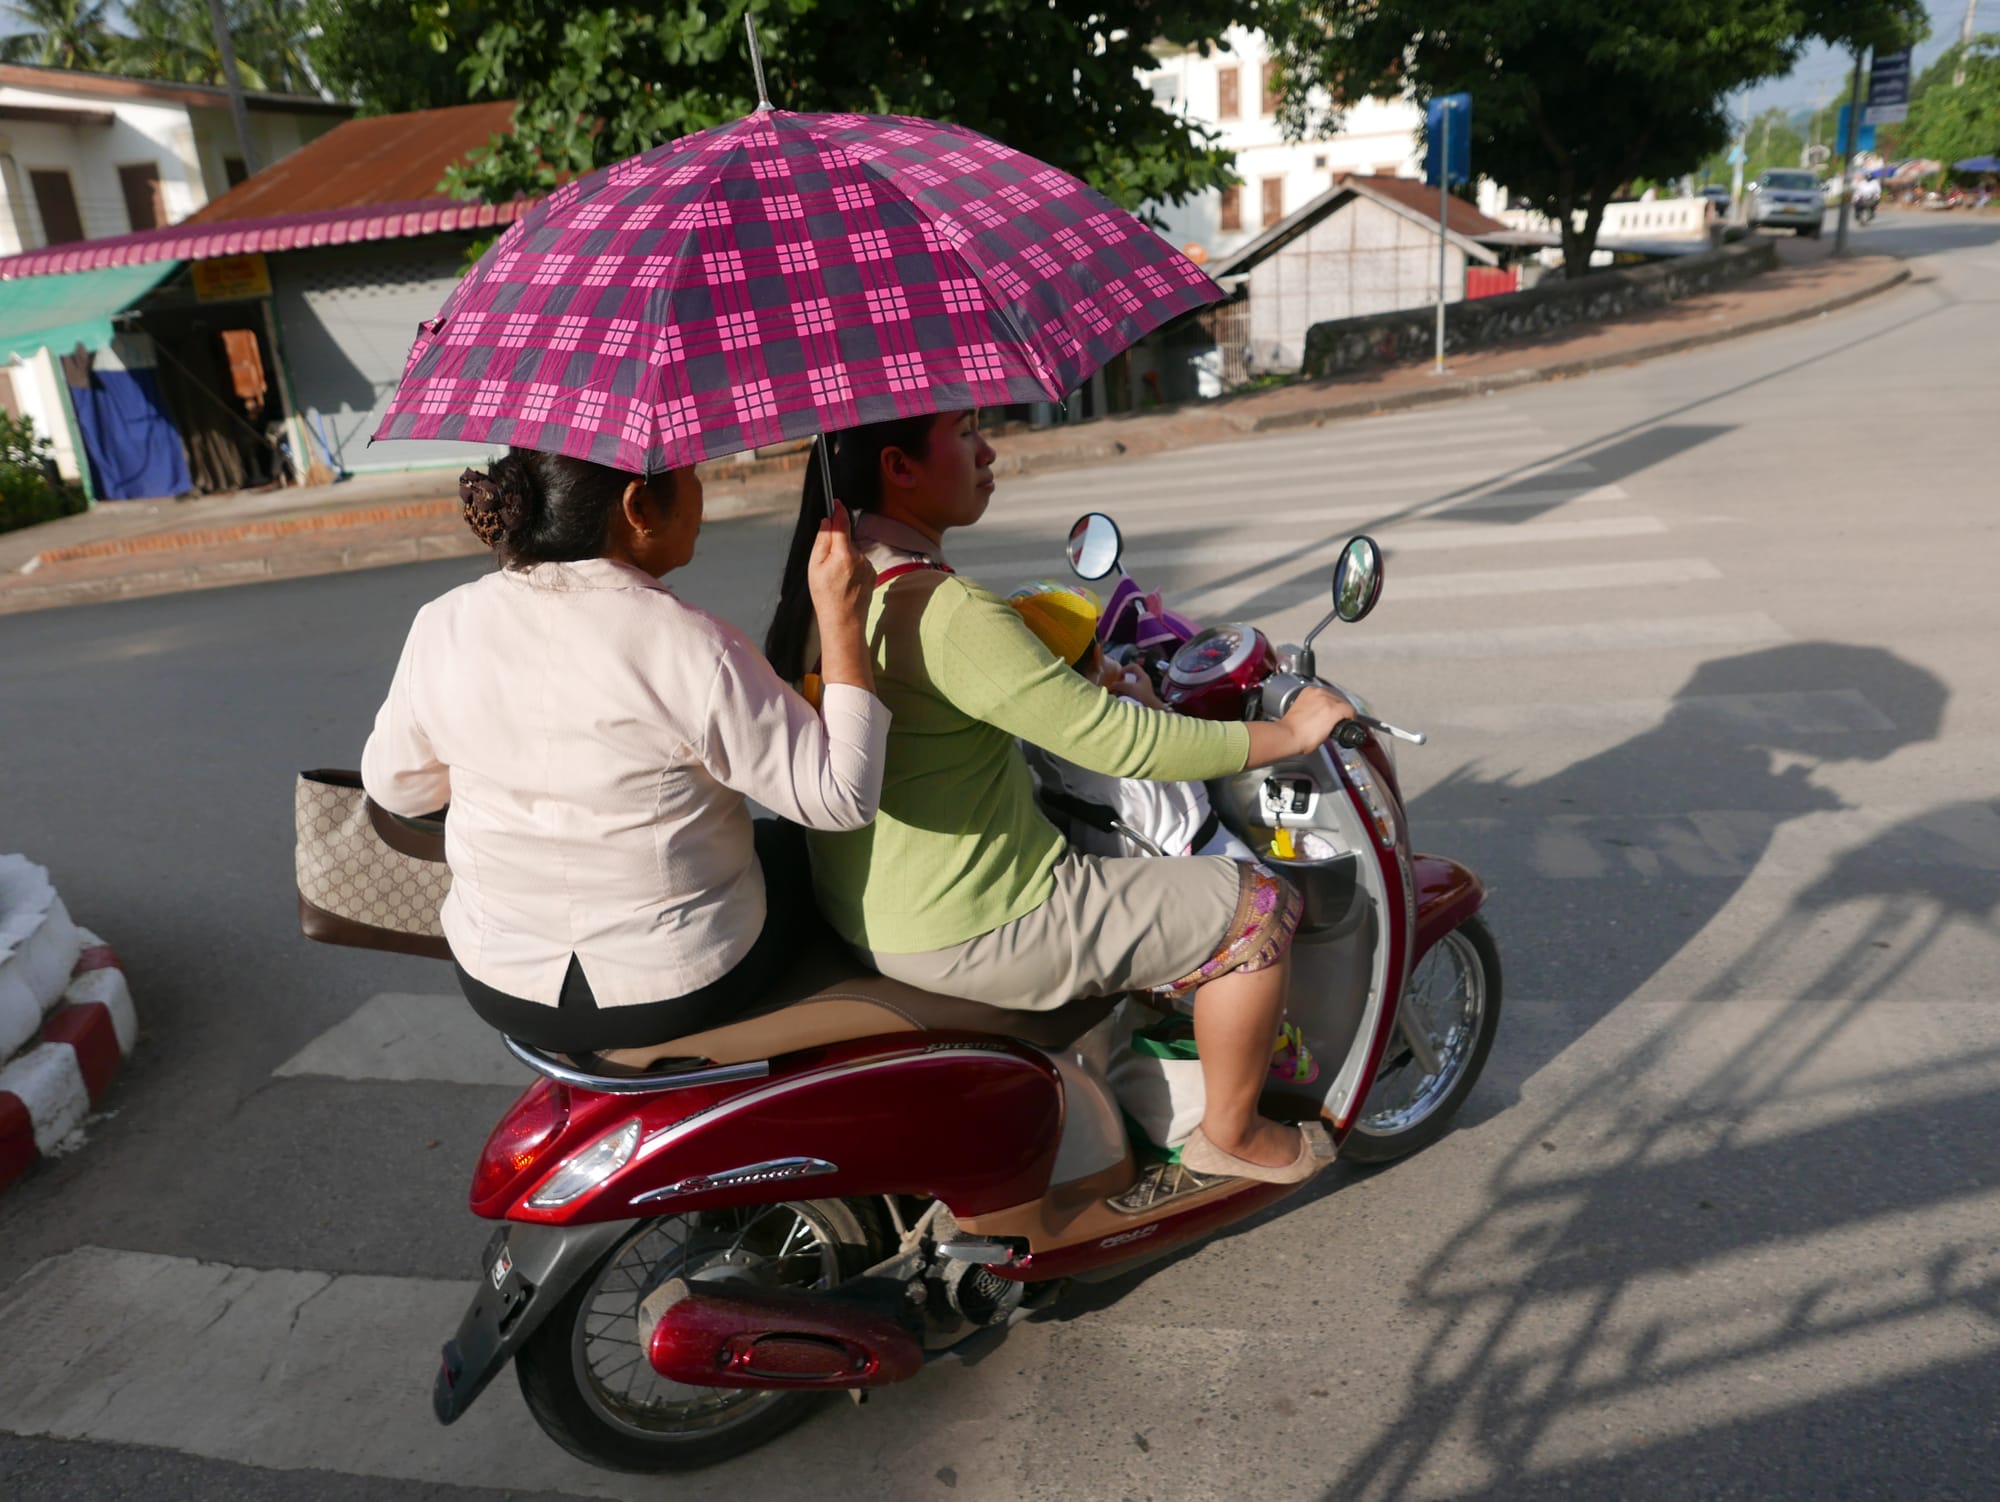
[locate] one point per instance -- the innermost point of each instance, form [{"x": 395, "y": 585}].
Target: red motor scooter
[{"x": 701, "y": 1240}]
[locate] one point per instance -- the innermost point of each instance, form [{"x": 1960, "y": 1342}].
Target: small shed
[{"x": 1365, "y": 245}]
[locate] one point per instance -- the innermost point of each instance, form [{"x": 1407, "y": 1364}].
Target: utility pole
[
  {"x": 1847, "y": 156},
  {"x": 238, "y": 110},
  {"x": 1964, "y": 40}
]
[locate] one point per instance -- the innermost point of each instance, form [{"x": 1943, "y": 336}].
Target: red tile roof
[{"x": 367, "y": 163}]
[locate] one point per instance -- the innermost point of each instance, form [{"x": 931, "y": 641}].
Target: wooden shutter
[
  {"x": 1269, "y": 103},
  {"x": 1232, "y": 208},
  {"x": 140, "y": 184},
  {"x": 1274, "y": 200},
  {"x": 55, "y": 196},
  {"x": 235, "y": 170},
  {"x": 1227, "y": 103}
]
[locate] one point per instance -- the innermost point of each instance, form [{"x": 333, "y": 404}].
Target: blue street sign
[
  {"x": 1864, "y": 138},
  {"x": 1888, "y": 89},
  {"x": 1458, "y": 136}
]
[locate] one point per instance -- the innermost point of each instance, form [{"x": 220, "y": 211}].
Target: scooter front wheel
[
  {"x": 1444, "y": 1030},
  {"x": 585, "y": 1373}
]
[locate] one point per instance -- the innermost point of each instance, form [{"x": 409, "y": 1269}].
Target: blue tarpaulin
[{"x": 128, "y": 438}]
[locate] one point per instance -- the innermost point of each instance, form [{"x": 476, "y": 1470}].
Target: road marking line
[
  {"x": 1839, "y": 711},
  {"x": 1673, "y": 633},
  {"x": 398, "y": 1035},
  {"x": 276, "y": 1368},
  {"x": 1470, "y": 585},
  {"x": 1054, "y": 493},
  {"x": 1394, "y": 544}
]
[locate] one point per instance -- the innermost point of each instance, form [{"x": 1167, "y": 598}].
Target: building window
[
  {"x": 235, "y": 170},
  {"x": 1166, "y": 90},
  {"x": 1274, "y": 200},
  {"x": 55, "y": 196},
  {"x": 140, "y": 183},
  {"x": 1227, "y": 104},
  {"x": 1232, "y": 208},
  {"x": 1273, "y": 95}
]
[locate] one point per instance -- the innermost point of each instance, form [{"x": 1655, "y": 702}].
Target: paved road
[{"x": 1705, "y": 649}]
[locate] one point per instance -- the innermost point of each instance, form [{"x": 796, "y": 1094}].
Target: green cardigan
[{"x": 960, "y": 847}]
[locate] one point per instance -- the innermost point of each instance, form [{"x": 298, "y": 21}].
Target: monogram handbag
[{"x": 367, "y": 878}]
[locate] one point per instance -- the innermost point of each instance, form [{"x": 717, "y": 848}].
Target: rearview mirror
[
  {"x": 1094, "y": 546},
  {"x": 1357, "y": 579}
]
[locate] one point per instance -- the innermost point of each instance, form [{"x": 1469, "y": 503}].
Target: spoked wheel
[
  {"x": 1444, "y": 1030},
  {"x": 585, "y": 1374}
]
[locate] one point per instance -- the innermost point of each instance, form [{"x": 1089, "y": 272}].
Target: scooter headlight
[{"x": 584, "y": 1171}]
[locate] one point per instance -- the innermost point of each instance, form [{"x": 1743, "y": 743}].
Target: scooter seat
[{"x": 825, "y": 999}]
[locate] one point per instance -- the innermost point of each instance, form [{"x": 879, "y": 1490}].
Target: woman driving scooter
[
  {"x": 961, "y": 886},
  {"x": 596, "y": 738}
]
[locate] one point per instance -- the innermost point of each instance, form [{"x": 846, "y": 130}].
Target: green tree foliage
[
  {"x": 1571, "y": 99},
  {"x": 594, "y": 85},
  {"x": 1952, "y": 121},
  {"x": 375, "y": 53},
  {"x": 58, "y": 33},
  {"x": 30, "y": 489}
]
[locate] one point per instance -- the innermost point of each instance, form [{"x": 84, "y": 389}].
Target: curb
[{"x": 48, "y": 1090}]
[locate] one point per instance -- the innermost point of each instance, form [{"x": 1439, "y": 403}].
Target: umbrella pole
[
  {"x": 825, "y": 468},
  {"x": 756, "y": 61}
]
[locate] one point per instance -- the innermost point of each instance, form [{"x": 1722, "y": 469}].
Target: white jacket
[{"x": 596, "y": 738}]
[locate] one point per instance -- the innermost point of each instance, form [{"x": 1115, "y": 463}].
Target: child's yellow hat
[{"x": 1064, "y": 618}]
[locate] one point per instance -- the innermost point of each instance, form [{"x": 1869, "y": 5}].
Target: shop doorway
[{"x": 219, "y": 381}]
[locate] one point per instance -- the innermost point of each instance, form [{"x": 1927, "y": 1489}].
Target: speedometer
[{"x": 1213, "y": 655}]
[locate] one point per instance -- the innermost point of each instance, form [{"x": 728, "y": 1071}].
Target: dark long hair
[
  {"x": 857, "y": 481},
  {"x": 531, "y": 507}
]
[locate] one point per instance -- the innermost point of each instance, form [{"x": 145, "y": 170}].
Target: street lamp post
[{"x": 1847, "y": 157}]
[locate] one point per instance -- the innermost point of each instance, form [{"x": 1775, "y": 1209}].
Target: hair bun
[{"x": 499, "y": 505}]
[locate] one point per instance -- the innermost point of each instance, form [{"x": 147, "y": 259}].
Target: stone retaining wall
[{"x": 1410, "y": 334}]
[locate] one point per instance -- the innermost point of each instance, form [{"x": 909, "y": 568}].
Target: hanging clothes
[
  {"x": 246, "y": 371},
  {"x": 128, "y": 437}
]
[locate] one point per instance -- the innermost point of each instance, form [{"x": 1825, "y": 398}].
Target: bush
[{"x": 30, "y": 489}]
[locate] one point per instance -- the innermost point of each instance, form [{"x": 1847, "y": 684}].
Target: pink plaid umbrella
[{"x": 781, "y": 276}]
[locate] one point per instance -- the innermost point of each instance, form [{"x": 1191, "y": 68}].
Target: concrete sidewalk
[{"x": 125, "y": 549}]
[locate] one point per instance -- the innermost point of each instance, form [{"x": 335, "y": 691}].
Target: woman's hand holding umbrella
[{"x": 841, "y": 581}]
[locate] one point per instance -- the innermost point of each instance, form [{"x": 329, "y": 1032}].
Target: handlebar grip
[{"x": 1351, "y": 734}]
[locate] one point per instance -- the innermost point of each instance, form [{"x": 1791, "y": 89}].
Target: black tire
[
  {"x": 561, "y": 1390},
  {"x": 1472, "y": 941}
]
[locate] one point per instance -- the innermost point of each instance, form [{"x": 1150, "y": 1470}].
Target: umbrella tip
[{"x": 756, "y": 62}]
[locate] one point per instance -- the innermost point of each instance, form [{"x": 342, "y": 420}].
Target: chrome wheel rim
[
  {"x": 778, "y": 1246},
  {"x": 1446, "y": 1001}
]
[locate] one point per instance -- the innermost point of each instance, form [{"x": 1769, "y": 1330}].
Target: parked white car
[{"x": 1780, "y": 199}]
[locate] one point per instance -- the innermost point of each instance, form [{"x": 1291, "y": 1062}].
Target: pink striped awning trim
[{"x": 197, "y": 242}]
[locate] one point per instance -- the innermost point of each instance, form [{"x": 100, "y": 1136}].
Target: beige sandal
[{"x": 1201, "y": 1156}]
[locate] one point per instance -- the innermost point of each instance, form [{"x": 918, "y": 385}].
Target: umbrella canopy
[
  {"x": 1978, "y": 164},
  {"x": 780, "y": 276}
]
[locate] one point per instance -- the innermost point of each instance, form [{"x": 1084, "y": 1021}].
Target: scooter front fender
[
  {"x": 527, "y": 1270},
  {"x": 1447, "y": 894}
]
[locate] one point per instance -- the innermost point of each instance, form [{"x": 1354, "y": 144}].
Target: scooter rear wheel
[
  {"x": 1453, "y": 997},
  {"x": 584, "y": 1372}
]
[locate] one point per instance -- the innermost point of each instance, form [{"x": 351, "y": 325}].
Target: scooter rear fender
[
  {"x": 526, "y": 1271},
  {"x": 969, "y": 1119}
]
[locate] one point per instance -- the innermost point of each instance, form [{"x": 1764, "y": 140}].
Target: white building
[
  {"x": 88, "y": 155},
  {"x": 1230, "y": 92}
]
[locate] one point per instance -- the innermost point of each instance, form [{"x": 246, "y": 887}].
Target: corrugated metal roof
[
  {"x": 1413, "y": 193},
  {"x": 195, "y": 242},
  {"x": 383, "y": 159},
  {"x": 201, "y": 95}
]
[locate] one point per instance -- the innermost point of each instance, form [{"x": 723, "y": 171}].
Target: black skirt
[{"x": 576, "y": 1024}]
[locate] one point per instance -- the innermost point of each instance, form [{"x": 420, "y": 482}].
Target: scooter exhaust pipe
[{"x": 768, "y": 1338}]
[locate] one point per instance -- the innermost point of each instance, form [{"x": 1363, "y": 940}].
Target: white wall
[
  {"x": 1360, "y": 259},
  {"x": 1376, "y": 136},
  {"x": 186, "y": 144},
  {"x": 39, "y": 394}
]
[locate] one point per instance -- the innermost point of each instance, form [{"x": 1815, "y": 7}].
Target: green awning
[{"x": 65, "y": 311}]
